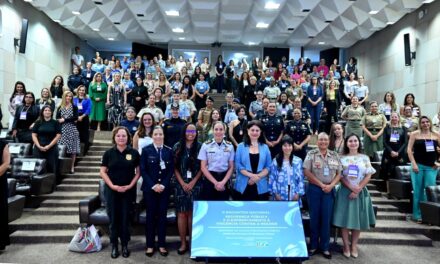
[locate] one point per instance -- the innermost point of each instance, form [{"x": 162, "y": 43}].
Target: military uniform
[
  {"x": 273, "y": 127},
  {"x": 172, "y": 130},
  {"x": 298, "y": 131},
  {"x": 320, "y": 202},
  {"x": 411, "y": 123},
  {"x": 305, "y": 116},
  {"x": 353, "y": 115},
  {"x": 373, "y": 123},
  {"x": 217, "y": 157}
]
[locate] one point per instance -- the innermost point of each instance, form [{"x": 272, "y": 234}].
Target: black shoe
[
  {"x": 115, "y": 252},
  {"x": 181, "y": 252},
  {"x": 125, "y": 252},
  {"x": 327, "y": 254},
  {"x": 163, "y": 253},
  {"x": 312, "y": 252},
  {"x": 149, "y": 254}
]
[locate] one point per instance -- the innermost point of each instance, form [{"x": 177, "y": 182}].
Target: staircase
[{"x": 56, "y": 219}]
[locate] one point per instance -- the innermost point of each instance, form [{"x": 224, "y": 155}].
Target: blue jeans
[
  {"x": 424, "y": 178},
  {"x": 320, "y": 210},
  {"x": 315, "y": 115}
]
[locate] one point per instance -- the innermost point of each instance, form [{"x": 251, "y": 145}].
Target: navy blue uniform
[
  {"x": 87, "y": 76},
  {"x": 298, "y": 131},
  {"x": 273, "y": 127},
  {"x": 156, "y": 203},
  {"x": 172, "y": 130}
]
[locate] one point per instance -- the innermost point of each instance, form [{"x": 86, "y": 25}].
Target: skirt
[
  {"x": 357, "y": 214},
  {"x": 353, "y": 127},
  {"x": 184, "y": 201},
  {"x": 370, "y": 146}
]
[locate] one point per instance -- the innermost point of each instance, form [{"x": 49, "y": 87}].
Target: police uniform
[
  {"x": 217, "y": 157},
  {"x": 273, "y": 127},
  {"x": 305, "y": 116},
  {"x": 121, "y": 171},
  {"x": 172, "y": 130},
  {"x": 321, "y": 203},
  {"x": 157, "y": 167},
  {"x": 298, "y": 131}
]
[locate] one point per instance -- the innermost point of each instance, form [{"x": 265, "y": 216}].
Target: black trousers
[
  {"x": 157, "y": 205},
  {"x": 83, "y": 129},
  {"x": 209, "y": 193},
  {"x": 332, "y": 111},
  {"x": 251, "y": 194},
  {"x": 119, "y": 207},
  {"x": 53, "y": 162}
]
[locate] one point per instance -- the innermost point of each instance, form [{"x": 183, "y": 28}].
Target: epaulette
[
  {"x": 209, "y": 141},
  {"x": 228, "y": 142},
  {"x": 165, "y": 146}
]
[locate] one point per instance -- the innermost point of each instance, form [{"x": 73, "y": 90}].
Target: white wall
[
  {"x": 381, "y": 59},
  {"x": 48, "y": 51}
]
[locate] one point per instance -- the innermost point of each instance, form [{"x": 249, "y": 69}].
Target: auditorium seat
[
  {"x": 20, "y": 150},
  {"x": 400, "y": 187},
  {"x": 431, "y": 208},
  {"x": 65, "y": 162},
  {"x": 92, "y": 209},
  {"x": 376, "y": 163},
  {"x": 15, "y": 201},
  {"x": 31, "y": 176}
]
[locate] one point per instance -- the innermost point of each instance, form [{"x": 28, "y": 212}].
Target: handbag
[{"x": 86, "y": 240}]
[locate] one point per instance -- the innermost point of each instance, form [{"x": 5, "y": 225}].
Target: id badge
[
  {"x": 162, "y": 165},
  {"x": 283, "y": 112},
  {"x": 314, "y": 92},
  {"x": 429, "y": 146},
  {"x": 98, "y": 88},
  {"x": 387, "y": 111},
  {"x": 394, "y": 138},
  {"x": 408, "y": 124},
  {"x": 189, "y": 175},
  {"x": 241, "y": 132},
  {"x": 326, "y": 171},
  {"x": 137, "y": 75},
  {"x": 23, "y": 115},
  {"x": 88, "y": 75},
  {"x": 295, "y": 93},
  {"x": 80, "y": 106},
  {"x": 353, "y": 172}
]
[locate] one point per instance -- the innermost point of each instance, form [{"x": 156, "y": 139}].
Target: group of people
[{"x": 254, "y": 148}]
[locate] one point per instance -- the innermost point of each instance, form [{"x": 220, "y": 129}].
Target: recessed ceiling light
[
  {"x": 76, "y": 13},
  {"x": 290, "y": 29},
  {"x": 150, "y": 32},
  {"x": 95, "y": 29},
  {"x": 28, "y": 1},
  {"x": 271, "y": 5},
  {"x": 305, "y": 10},
  {"x": 117, "y": 23},
  {"x": 428, "y": 1},
  {"x": 181, "y": 38},
  {"x": 251, "y": 43},
  {"x": 373, "y": 12},
  {"x": 57, "y": 20},
  {"x": 390, "y": 23},
  {"x": 98, "y": 2},
  {"x": 262, "y": 25},
  {"x": 178, "y": 30},
  {"x": 321, "y": 43},
  {"x": 328, "y": 21},
  {"x": 311, "y": 36},
  {"x": 140, "y": 15},
  {"x": 172, "y": 13},
  {"x": 111, "y": 39}
]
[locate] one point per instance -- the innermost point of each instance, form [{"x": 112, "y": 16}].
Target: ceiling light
[
  {"x": 57, "y": 20},
  {"x": 172, "y": 13},
  {"x": 251, "y": 43},
  {"x": 373, "y": 12},
  {"x": 428, "y": 1},
  {"x": 95, "y": 29},
  {"x": 150, "y": 32},
  {"x": 177, "y": 30},
  {"x": 272, "y": 5},
  {"x": 181, "y": 38},
  {"x": 76, "y": 13},
  {"x": 321, "y": 43},
  {"x": 328, "y": 21},
  {"x": 305, "y": 10},
  {"x": 290, "y": 29},
  {"x": 28, "y": 1},
  {"x": 111, "y": 39},
  {"x": 262, "y": 25},
  {"x": 390, "y": 23}
]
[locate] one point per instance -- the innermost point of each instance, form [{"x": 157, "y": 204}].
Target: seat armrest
[
  {"x": 87, "y": 206},
  {"x": 430, "y": 213},
  {"x": 42, "y": 183}
]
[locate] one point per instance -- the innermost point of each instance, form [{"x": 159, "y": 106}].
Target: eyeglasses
[{"x": 191, "y": 131}]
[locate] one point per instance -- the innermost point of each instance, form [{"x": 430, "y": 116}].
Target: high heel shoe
[
  {"x": 182, "y": 251},
  {"x": 163, "y": 252},
  {"x": 149, "y": 253}
]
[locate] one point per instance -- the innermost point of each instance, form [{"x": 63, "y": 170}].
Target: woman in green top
[
  {"x": 373, "y": 125},
  {"x": 353, "y": 114},
  {"x": 98, "y": 95}
]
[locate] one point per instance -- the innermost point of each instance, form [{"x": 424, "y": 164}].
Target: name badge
[
  {"x": 128, "y": 157},
  {"x": 318, "y": 164},
  {"x": 3, "y": 134},
  {"x": 353, "y": 172},
  {"x": 394, "y": 138},
  {"x": 283, "y": 85},
  {"x": 28, "y": 166},
  {"x": 137, "y": 75},
  {"x": 326, "y": 171},
  {"x": 162, "y": 165},
  {"x": 295, "y": 93},
  {"x": 387, "y": 111},
  {"x": 408, "y": 124},
  {"x": 221, "y": 66},
  {"x": 241, "y": 132},
  {"x": 88, "y": 75},
  {"x": 189, "y": 175},
  {"x": 80, "y": 106},
  {"x": 429, "y": 146},
  {"x": 283, "y": 112},
  {"x": 98, "y": 88},
  {"x": 314, "y": 92},
  {"x": 134, "y": 128},
  {"x": 23, "y": 115}
]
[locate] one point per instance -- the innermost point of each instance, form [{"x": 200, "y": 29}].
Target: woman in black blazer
[{"x": 157, "y": 167}]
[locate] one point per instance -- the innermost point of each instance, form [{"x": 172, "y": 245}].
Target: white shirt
[{"x": 78, "y": 59}]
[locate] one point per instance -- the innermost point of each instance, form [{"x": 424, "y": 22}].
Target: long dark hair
[
  {"x": 15, "y": 89},
  {"x": 280, "y": 156},
  {"x": 332, "y": 135},
  {"x": 141, "y": 129},
  {"x": 247, "y": 140},
  {"x": 41, "y": 117},
  {"x": 346, "y": 150},
  {"x": 61, "y": 83},
  {"x": 182, "y": 145},
  {"x": 414, "y": 100}
]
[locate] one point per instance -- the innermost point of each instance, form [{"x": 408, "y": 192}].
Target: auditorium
[{"x": 250, "y": 131}]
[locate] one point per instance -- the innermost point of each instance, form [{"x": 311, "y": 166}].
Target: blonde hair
[
  {"x": 85, "y": 91},
  {"x": 63, "y": 100},
  {"x": 49, "y": 96}
]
